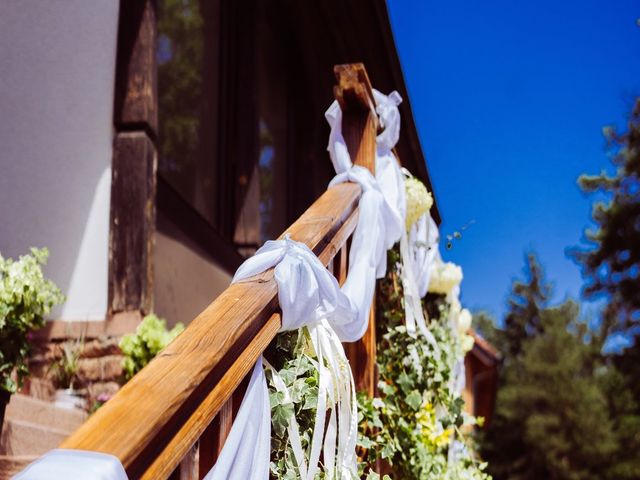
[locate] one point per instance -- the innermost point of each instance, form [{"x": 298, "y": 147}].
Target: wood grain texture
[
  {"x": 132, "y": 223},
  {"x": 147, "y": 423},
  {"x": 189, "y": 466},
  {"x": 136, "y": 90}
]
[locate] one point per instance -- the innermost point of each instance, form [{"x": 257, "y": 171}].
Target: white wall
[{"x": 57, "y": 65}]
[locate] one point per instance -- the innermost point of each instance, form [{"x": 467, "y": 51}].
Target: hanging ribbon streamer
[{"x": 309, "y": 296}]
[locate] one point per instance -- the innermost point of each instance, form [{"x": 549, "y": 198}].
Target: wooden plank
[
  {"x": 136, "y": 91},
  {"x": 208, "y": 448},
  {"x": 362, "y": 358},
  {"x": 359, "y": 128},
  {"x": 132, "y": 223},
  {"x": 139, "y": 422},
  {"x": 343, "y": 265},
  {"x": 190, "y": 464},
  {"x": 353, "y": 90},
  {"x": 226, "y": 420}
]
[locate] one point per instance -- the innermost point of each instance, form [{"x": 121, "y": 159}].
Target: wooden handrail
[{"x": 153, "y": 422}]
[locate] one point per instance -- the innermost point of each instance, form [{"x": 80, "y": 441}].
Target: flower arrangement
[
  {"x": 150, "y": 338},
  {"x": 26, "y": 296},
  {"x": 419, "y": 200},
  {"x": 415, "y": 424}
]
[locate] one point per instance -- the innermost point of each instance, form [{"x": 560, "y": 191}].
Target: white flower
[
  {"x": 464, "y": 321},
  {"x": 419, "y": 200},
  {"x": 445, "y": 277},
  {"x": 467, "y": 343}
]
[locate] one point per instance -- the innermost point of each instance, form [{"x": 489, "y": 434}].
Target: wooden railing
[{"x": 172, "y": 418}]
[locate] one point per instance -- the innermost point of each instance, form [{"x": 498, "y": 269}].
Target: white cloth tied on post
[
  {"x": 383, "y": 209},
  {"x": 309, "y": 295}
]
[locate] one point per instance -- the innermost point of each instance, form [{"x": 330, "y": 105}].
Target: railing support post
[{"x": 359, "y": 129}]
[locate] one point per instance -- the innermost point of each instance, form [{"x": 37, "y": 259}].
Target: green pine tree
[
  {"x": 611, "y": 260},
  {"x": 563, "y": 410},
  {"x": 526, "y": 301}
]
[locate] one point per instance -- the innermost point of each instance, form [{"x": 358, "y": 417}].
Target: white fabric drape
[
  {"x": 65, "y": 464},
  {"x": 251, "y": 427}
]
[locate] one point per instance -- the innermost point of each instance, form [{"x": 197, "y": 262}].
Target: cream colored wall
[
  {"x": 57, "y": 69},
  {"x": 186, "y": 279}
]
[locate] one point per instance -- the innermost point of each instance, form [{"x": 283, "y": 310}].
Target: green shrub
[
  {"x": 150, "y": 338},
  {"x": 25, "y": 298}
]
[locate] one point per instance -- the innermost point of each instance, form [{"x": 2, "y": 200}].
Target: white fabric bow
[{"x": 309, "y": 296}]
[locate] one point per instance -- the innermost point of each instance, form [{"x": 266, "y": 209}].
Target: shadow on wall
[{"x": 56, "y": 111}]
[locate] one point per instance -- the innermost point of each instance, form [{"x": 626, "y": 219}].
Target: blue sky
[{"x": 510, "y": 99}]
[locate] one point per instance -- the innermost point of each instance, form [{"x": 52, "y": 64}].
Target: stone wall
[{"x": 99, "y": 368}]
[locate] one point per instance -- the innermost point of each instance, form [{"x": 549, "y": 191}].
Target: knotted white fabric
[
  {"x": 62, "y": 464},
  {"x": 309, "y": 296},
  {"x": 383, "y": 209}
]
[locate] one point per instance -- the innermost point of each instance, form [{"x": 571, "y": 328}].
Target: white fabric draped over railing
[{"x": 309, "y": 295}]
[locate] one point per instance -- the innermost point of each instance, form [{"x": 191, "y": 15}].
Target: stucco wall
[
  {"x": 186, "y": 279},
  {"x": 57, "y": 65}
]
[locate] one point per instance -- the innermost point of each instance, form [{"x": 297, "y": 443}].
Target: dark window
[{"x": 242, "y": 136}]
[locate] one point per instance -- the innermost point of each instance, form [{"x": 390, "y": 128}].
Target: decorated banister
[{"x": 173, "y": 416}]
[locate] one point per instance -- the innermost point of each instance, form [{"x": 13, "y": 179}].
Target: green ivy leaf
[
  {"x": 280, "y": 416},
  {"x": 414, "y": 399}
]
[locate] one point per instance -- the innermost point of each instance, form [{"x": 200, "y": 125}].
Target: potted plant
[
  {"x": 65, "y": 370},
  {"x": 26, "y": 296}
]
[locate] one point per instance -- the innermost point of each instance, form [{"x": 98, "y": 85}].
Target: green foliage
[
  {"x": 293, "y": 359},
  {"x": 563, "y": 409},
  {"x": 66, "y": 367},
  {"x": 150, "y": 338},
  {"x": 611, "y": 260},
  {"x": 526, "y": 301},
  {"x": 415, "y": 425},
  {"x": 25, "y": 298}
]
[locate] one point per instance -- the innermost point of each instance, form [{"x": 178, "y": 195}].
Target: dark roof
[{"x": 329, "y": 32}]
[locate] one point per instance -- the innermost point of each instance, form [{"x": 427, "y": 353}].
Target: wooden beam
[
  {"x": 136, "y": 92},
  {"x": 359, "y": 128},
  {"x": 189, "y": 466},
  {"x": 140, "y": 422},
  {"x": 134, "y": 163},
  {"x": 133, "y": 188}
]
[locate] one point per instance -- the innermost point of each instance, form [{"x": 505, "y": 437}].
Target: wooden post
[
  {"x": 133, "y": 186},
  {"x": 359, "y": 129}
]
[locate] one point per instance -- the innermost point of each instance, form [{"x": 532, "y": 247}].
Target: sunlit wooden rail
[{"x": 172, "y": 418}]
